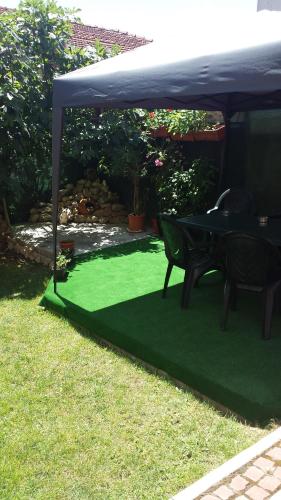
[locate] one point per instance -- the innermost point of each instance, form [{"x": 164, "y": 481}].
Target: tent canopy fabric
[{"x": 237, "y": 80}]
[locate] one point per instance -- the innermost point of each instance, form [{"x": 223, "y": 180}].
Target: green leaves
[
  {"x": 34, "y": 48},
  {"x": 186, "y": 189},
  {"x": 177, "y": 121}
]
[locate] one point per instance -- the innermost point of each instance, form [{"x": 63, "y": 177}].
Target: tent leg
[
  {"x": 57, "y": 128},
  {"x": 227, "y": 117}
]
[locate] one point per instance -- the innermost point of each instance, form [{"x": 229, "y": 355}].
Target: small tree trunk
[
  {"x": 136, "y": 196},
  {"x": 6, "y": 213}
]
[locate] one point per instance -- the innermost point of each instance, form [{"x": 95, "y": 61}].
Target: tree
[
  {"x": 123, "y": 148},
  {"x": 34, "y": 48}
]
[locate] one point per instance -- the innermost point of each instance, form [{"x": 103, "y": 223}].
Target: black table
[{"x": 220, "y": 224}]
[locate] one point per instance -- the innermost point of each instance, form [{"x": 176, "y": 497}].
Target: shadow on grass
[
  {"x": 236, "y": 370},
  {"x": 145, "y": 245},
  {"x": 22, "y": 280}
]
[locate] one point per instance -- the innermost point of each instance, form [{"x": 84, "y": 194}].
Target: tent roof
[{"x": 150, "y": 77}]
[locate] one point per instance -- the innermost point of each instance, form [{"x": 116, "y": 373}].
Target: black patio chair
[
  {"x": 181, "y": 251},
  {"x": 235, "y": 201},
  {"x": 252, "y": 264}
]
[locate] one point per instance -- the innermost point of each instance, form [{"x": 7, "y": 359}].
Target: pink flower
[{"x": 158, "y": 163}]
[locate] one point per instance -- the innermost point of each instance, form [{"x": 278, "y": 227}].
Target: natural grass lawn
[{"x": 78, "y": 421}]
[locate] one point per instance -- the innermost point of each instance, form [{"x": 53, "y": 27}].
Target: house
[
  {"x": 84, "y": 35},
  {"x": 269, "y": 5}
]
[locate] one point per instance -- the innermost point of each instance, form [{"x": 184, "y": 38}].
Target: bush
[
  {"x": 35, "y": 47},
  {"x": 183, "y": 192}
]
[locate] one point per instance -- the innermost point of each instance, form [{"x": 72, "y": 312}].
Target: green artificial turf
[{"x": 116, "y": 294}]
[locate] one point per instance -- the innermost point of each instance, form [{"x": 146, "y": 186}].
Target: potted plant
[
  {"x": 136, "y": 219},
  {"x": 61, "y": 267},
  {"x": 124, "y": 154},
  {"x": 156, "y": 167},
  {"x": 67, "y": 248},
  {"x": 184, "y": 125},
  {"x": 157, "y": 123}
]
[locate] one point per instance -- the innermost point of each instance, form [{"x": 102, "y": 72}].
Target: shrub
[
  {"x": 183, "y": 192},
  {"x": 35, "y": 47}
]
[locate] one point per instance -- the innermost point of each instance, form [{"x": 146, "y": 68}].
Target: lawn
[{"x": 79, "y": 420}]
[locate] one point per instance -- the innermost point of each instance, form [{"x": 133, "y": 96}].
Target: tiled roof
[{"x": 84, "y": 35}]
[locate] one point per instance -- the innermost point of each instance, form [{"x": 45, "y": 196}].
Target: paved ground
[
  {"x": 253, "y": 474},
  {"x": 258, "y": 479},
  {"x": 87, "y": 237}
]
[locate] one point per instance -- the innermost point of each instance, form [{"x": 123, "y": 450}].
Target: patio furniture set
[{"x": 245, "y": 247}]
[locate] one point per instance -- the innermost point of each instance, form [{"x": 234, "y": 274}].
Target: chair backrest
[
  {"x": 175, "y": 240},
  {"x": 239, "y": 201},
  {"x": 250, "y": 260}
]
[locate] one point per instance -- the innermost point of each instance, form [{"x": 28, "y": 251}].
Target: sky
[{"x": 195, "y": 20}]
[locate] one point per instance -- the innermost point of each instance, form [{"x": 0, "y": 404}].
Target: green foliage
[
  {"x": 123, "y": 142},
  {"x": 182, "y": 192},
  {"x": 177, "y": 121},
  {"x": 62, "y": 261},
  {"x": 123, "y": 145},
  {"x": 34, "y": 48}
]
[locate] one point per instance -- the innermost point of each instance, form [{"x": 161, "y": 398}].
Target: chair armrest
[
  {"x": 212, "y": 210},
  {"x": 219, "y": 200}
]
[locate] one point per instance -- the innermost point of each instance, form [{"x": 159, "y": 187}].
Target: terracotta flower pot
[
  {"x": 160, "y": 132},
  {"x": 189, "y": 137},
  {"x": 136, "y": 223},
  {"x": 61, "y": 274},
  {"x": 67, "y": 247},
  {"x": 214, "y": 135}
]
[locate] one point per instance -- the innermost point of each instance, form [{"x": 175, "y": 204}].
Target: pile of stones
[{"x": 86, "y": 201}]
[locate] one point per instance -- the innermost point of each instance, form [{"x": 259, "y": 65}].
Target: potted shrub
[
  {"x": 124, "y": 154},
  {"x": 157, "y": 123},
  {"x": 61, "y": 267},
  {"x": 67, "y": 248},
  {"x": 136, "y": 219},
  {"x": 183, "y": 125},
  {"x": 156, "y": 166}
]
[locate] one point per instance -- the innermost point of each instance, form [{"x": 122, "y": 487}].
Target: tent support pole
[
  {"x": 57, "y": 127},
  {"x": 226, "y": 116}
]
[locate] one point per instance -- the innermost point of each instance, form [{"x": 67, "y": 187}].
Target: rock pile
[
  {"x": 86, "y": 201},
  {"x": 29, "y": 251}
]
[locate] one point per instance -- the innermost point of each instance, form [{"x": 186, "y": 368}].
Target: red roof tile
[{"x": 84, "y": 35}]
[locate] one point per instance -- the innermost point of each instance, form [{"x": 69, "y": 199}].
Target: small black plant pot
[{"x": 61, "y": 274}]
